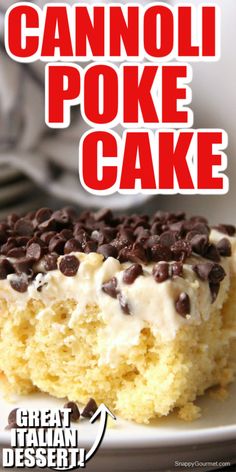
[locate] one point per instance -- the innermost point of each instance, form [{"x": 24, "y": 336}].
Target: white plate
[{"x": 156, "y": 447}]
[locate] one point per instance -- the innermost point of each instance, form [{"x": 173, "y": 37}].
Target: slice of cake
[{"x": 134, "y": 311}]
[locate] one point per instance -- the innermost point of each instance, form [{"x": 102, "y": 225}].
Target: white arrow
[{"x": 103, "y": 411}]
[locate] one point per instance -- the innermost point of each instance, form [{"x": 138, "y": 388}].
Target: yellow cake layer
[{"x": 150, "y": 379}]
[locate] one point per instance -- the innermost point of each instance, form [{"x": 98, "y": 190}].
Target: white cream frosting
[{"x": 151, "y": 304}]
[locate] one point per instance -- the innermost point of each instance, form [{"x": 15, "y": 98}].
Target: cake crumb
[
  {"x": 189, "y": 412},
  {"x": 219, "y": 393}
]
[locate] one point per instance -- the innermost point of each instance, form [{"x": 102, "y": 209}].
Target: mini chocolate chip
[
  {"x": 124, "y": 304},
  {"x": 50, "y": 262},
  {"x": 56, "y": 244},
  {"x": 35, "y": 240},
  {"x": 224, "y": 247},
  {"x": 90, "y": 409},
  {"x": 4, "y": 227},
  {"x": 214, "y": 273},
  {"x": 182, "y": 304},
  {"x": 124, "y": 254},
  {"x": 12, "y": 218},
  {"x": 103, "y": 215},
  {"x": 212, "y": 253},
  {"x": 199, "y": 219},
  {"x": 199, "y": 243},
  {"x": 168, "y": 238},
  {"x": 6, "y": 268},
  {"x": 16, "y": 252},
  {"x": 72, "y": 246},
  {"x": 61, "y": 217},
  {"x": 12, "y": 416},
  {"x": 69, "y": 266},
  {"x": 43, "y": 214},
  {"x": 154, "y": 239},
  {"x": 226, "y": 229},
  {"x": 214, "y": 289},
  {"x": 22, "y": 241},
  {"x": 3, "y": 236},
  {"x": 201, "y": 228},
  {"x": 24, "y": 265},
  {"x": 20, "y": 284},
  {"x": 176, "y": 269},
  {"x": 90, "y": 246},
  {"x": 110, "y": 287},
  {"x": 137, "y": 253},
  {"x": 131, "y": 274},
  {"x": 35, "y": 251},
  {"x": 11, "y": 426},
  {"x": 48, "y": 225},
  {"x": 24, "y": 227},
  {"x": 82, "y": 237},
  {"x": 156, "y": 228},
  {"x": 161, "y": 272},
  {"x": 75, "y": 413},
  {"x": 160, "y": 253},
  {"x": 178, "y": 227},
  {"x": 47, "y": 236},
  {"x": 181, "y": 250},
  {"x": 66, "y": 234},
  {"x": 10, "y": 244},
  {"x": 107, "y": 250}
]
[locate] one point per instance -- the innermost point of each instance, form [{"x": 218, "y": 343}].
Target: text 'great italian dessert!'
[{"x": 103, "y": 306}]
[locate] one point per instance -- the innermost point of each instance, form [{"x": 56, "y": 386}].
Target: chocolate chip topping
[
  {"x": 110, "y": 287},
  {"x": 19, "y": 283},
  {"x": 182, "y": 304},
  {"x": 12, "y": 416},
  {"x": 35, "y": 251},
  {"x": 24, "y": 227},
  {"x": 90, "y": 409},
  {"x": 43, "y": 214},
  {"x": 214, "y": 273},
  {"x": 181, "y": 250},
  {"x": 69, "y": 266},
  {"x": 6, "y": 268},
  {"x": 24, "y": 265},
  {"x": 75, "y": 413},
  {"x": 160, "y": 253},
  {"x": 107, "y": 250},
  {"x": 72, "y": 245},
  {"x": 212, "y": 253},
  {"x": 199, "y": 242},
  {"x": 131, "y": 274},
  {"x": 44, "y": 235},
  {"x": 176, "y": 269},
  {"x": 224, "y": 247},
  {"x": 230, "y": 230},
  {"x": 214, "y": 289},
  {"x": 50, "y": 262},
  {"x": 161, "y": 272}
]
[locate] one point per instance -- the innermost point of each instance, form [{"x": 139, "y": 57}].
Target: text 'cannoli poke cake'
[{"x": 137, "y": 312}]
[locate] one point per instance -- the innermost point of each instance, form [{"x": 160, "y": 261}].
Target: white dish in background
[
  {"x": 156, "y": 447},
  {"x": 8, "y": 173}
]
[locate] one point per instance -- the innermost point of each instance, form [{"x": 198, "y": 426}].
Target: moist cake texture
[{"x": 137, "y": 312}]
